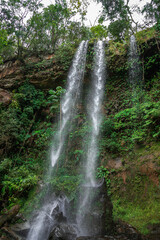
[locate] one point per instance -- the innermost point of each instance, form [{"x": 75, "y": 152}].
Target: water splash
[
  {"x": 94, "y": 113},
  {"x": 46, "y": 218},
  {"x": 69, "y": 101},
  {"x": 134, "y": 63}
]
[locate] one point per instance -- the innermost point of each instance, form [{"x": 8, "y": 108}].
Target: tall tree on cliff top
[
  {"x": 3, "y": 42},
  {"x": 56, "y": 19},
  {"x": 152, "y": 12},
  {"x": 48, "y": 28},
  {"x": 12, "y": 17},
  {"x": 120, "y": 15}
]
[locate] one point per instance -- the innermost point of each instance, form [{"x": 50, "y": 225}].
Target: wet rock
[
  {"x": 63, "y": 231},
  {"x": 154, "y": 231},
  {"x": 95, "y": 238},
  {"x": 127, "y": 231},
  {"x": 122, "y": 231},
  {"x": 21, "y": 229},
  {"x": 97, "y": 219}
]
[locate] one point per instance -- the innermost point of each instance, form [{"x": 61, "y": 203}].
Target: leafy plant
[{"x": 103, "y": 172}]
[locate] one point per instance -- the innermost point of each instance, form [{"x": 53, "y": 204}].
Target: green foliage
[
  {"x": 67, "y": 184},
  {"x": 117, "y": 58},
  {"x": 5, "y": 166},
  {"x": 13, "y": 21},
  {"x": 78, "y": 153},
  {"x": 152, "y": 11},
  {"x": 136, "y": 124},
  {"x": 56, "y": 18},
  {"x": 17, "y": 178},
  {"x": 17, "y": 120},
  {"x": 26, "y": 31},
  {"x": 145, "y": 35},
  {"x": 99, "y": 32},
  {"x": 90, "y": 55},
  {"x": 103, "y": 172},
  {"x": 18, "y": 181},
  {"x": 42, "y": 136},
  {"x": 118, "y": 29},
  {"x": 3, "y": 42},
  {"x": 25, "y": 138},
  {"x": 138, "y": 205},
  {"x": 54, "y": 98},
  {"x": 77, "y": 29},
  {"x": 64, "y": 55},
  {"x": 120, "y": 15}
]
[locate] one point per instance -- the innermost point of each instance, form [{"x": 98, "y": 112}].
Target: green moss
[{"x": 139, "y": 216}]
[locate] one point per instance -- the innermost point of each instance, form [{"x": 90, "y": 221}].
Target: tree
[
  {"x": 3, "y": 42},
  {"x": 118, "y": 29},
  {"x": 76, "y": 31},
  {"x": 152, "y": 12},
  {"x": 12, "y": 18},
  {"x": 99, "y": 31},
  {"x": 120, "y": 15},
  {"x": 56, "y": 18},
  {"x": 78, "y": 6},
  {"x": 37, "y": 39}
]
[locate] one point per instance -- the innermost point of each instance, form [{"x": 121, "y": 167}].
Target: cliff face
[{"x": 43, "y": 73}]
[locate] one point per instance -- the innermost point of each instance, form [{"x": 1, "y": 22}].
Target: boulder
[
  {"x": 21, "y": 229},
  {"x": 63, "y": 231},
  {"x": 5, "y": 96}
]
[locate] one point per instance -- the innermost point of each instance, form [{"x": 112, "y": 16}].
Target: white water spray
[
  {"x": 69, "y": 101},
  {"x": 45, "y": 219},
  {"x": 94, "y": 113},
  {"x": 134, "y": 63}
]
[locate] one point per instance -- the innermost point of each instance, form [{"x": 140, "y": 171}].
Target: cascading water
[
  {"x": 53, "y": 206},
  {"x": 69, "y": 101},
  {"x": 134, "y": 63},
  {"x": 94, "y": 113},
  {"x": 46, "y": 218}
]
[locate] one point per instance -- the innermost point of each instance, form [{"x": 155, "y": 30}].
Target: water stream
[
  {"x": 70, "y": 99},
  {"x": 95, "y": 116},
  {"x": 134, "y": 63}
]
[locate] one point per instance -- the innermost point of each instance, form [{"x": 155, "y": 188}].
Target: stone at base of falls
[
  {"x": 63, "y": 231},
  {"x": 121, "y": 231},
  {"x": 21, "y": 229},
  {"x": 96, "y": 218}
]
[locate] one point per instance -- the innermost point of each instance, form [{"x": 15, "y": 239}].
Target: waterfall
[
  {"x": 134, "y": 63},
  {"x": 69, "y": 101},
  {"x": 95, "y": 115},
  {"x": 53, "y": 206},
  {"x": 44, "y": 221}
]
